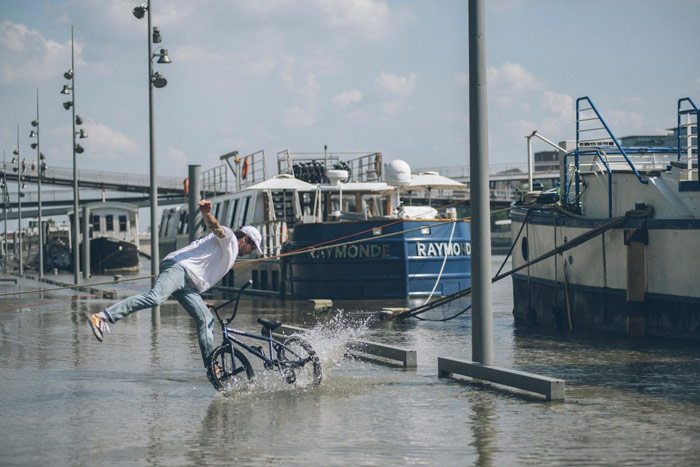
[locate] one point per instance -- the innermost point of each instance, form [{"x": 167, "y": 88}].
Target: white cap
[{"x": 253, "y": 234}]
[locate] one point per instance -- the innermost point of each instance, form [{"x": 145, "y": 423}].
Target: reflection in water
[{"x": 484, "y": 433}]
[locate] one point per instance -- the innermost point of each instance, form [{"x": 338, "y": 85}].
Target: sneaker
[{"x": 98, "y": 325}]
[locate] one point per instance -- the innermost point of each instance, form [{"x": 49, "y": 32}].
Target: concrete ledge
[
  {"x": 552, "y": 389},
  {"x": 406, "y": 358}
]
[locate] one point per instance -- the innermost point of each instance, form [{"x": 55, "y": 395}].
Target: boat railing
[
  {"x": 215, "y": 181},
  {"x": 598, "y": 156},
  {"x": 593, "y": 135},
  {"x": 688, "y": 114},
  {"x": 312, "y": 167}
]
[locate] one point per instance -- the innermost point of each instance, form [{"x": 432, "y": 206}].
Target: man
[{"x": 186, "y": 273}]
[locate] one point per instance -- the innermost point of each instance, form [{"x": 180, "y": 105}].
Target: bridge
[{"x": 135, "y": 188}]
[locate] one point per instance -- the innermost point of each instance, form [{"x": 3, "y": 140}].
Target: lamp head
[
  {"x": 66, "y": 89},
  {"x": 159, "y": 80},
  {"x": 156, "y": 35},
  {"x": 140, "y": 11},
  {"x": 16, "y": 153},
  {"x": 82, "y": 134},
  {"x": 68, "y": 74},
  {"x": 33, "y": 145},
  {"x": 32, "y": 134},
  {"x": 163, "y": 56},
  {"x": 79, "y": 149},
  {"x": 78, "y": 120},
  {"x": 41, "y": 156},
  {"x": 35, "y": 123},
  {"x": 67, "y": 105}
]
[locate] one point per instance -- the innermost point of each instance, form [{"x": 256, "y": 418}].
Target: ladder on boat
[{"x": 687, "y": 134}]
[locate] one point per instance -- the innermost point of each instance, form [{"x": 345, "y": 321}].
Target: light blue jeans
[{"x": 172, "y": 281}]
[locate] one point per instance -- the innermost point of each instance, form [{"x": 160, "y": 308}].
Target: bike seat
[{"x": 270, "y": 325}]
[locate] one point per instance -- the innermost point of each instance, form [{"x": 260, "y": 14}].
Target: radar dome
[{"x": 398, "y": 173}]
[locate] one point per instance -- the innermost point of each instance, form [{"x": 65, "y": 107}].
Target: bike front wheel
[
  {"x": 229, "y": 369},
  {"x": 299, "y": 363}
]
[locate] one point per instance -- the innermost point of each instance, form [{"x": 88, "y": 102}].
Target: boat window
[
  {"x": 232, "y": 224},
  {"x": 109, "y": 222},
  {"x": 182, "y": 222},
  {"x": 122, "y": 223},
  {"x": 95, "y": 221},
  {"x": 223, "y": 212},
  {"x": 245, "y": 210},
  {"x": 163, "y": 223}
]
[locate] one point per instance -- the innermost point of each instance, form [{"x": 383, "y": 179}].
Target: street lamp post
[
  {"x": 77, "y": 148},
  {"x": 155, "y": 79},
  {"x": 19, "y": 169},
  {"x": 5, "y": 207},
  {"x": 40, "y": 174}
]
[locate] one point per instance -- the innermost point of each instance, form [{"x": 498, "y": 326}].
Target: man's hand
[{"x": 205, "y": 206}]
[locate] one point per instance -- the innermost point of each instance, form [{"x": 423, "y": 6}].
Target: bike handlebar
[{"x": 235, "y": 307}]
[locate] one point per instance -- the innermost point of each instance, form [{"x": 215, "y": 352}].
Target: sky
[{"x": 355, "y": 75}]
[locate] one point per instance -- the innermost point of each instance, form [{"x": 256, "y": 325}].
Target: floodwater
[{"x": 142, "y": 398}]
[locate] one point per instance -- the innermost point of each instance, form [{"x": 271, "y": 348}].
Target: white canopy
[
  {"x": 283, "y": 182},
  {"x": 433, "y": 181}
]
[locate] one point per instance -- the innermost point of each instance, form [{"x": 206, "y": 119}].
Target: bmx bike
[{"x": 294, "y": 358}]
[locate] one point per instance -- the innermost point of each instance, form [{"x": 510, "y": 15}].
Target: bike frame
[{"x": 272, "y": 343}]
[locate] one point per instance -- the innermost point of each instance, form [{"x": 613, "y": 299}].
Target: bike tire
[
  {"x": 308, "y": 374},
  {"x": 236, "y": 371}
]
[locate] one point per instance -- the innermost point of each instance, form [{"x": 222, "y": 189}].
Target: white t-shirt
[{"x": 208, "y": 259}]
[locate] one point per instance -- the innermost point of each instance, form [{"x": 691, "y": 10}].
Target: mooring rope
[{"x": 576, "y": 241}]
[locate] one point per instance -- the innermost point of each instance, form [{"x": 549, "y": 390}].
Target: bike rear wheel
[
  {"x": 299, "y": 363},
  {"x": 229, "y": 370}
]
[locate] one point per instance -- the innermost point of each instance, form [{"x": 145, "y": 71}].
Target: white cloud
[
  {"x": 371, "y": 18},
  {"x": 345, "y": 98},
  {"x": 103, "y": 139},
  {"x": 395, "y": 84},
  {"x": 512, "y": 75},
  {"x": 28, "y": 54},
  {"x": 560, "y": 104}
]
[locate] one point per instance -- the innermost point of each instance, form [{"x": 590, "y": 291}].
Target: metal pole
[
  {"x": 482, "y": 321},
  {"x": 86, "y": 243},
  {"x": 5, "y": 205},
  {"x": 529, "y": 162},
  {"x": 155, "y": 254},
  {"x": 38, "y": 189},
  {"x": 19, "y": 205},
  {"x": 76, "y": 230},
  {"x": 194, "y": 174}
]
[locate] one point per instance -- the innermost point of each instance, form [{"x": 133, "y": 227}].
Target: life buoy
[
  {"x": 378, "y": 164},
  {"x": 244, "y": 169}
]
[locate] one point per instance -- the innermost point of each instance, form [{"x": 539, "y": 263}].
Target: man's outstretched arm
[{"x": 209, "y": 220}]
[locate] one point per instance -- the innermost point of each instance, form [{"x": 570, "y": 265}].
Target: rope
[
  {"x": 632, "y": 214},
  {"x": 442, "y": 268}
]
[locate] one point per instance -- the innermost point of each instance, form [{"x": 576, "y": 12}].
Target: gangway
[{"x": 98, "y": 180}]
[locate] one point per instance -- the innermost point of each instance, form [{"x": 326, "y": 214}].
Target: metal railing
[
  {"x": 363, "y": 167},
  {"x": 687, "y": 109}
]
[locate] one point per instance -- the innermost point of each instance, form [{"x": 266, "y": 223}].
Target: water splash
[{"x": 328, "y": 339}]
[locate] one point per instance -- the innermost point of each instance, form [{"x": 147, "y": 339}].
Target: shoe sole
[{"x": 95, "y": 331}]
